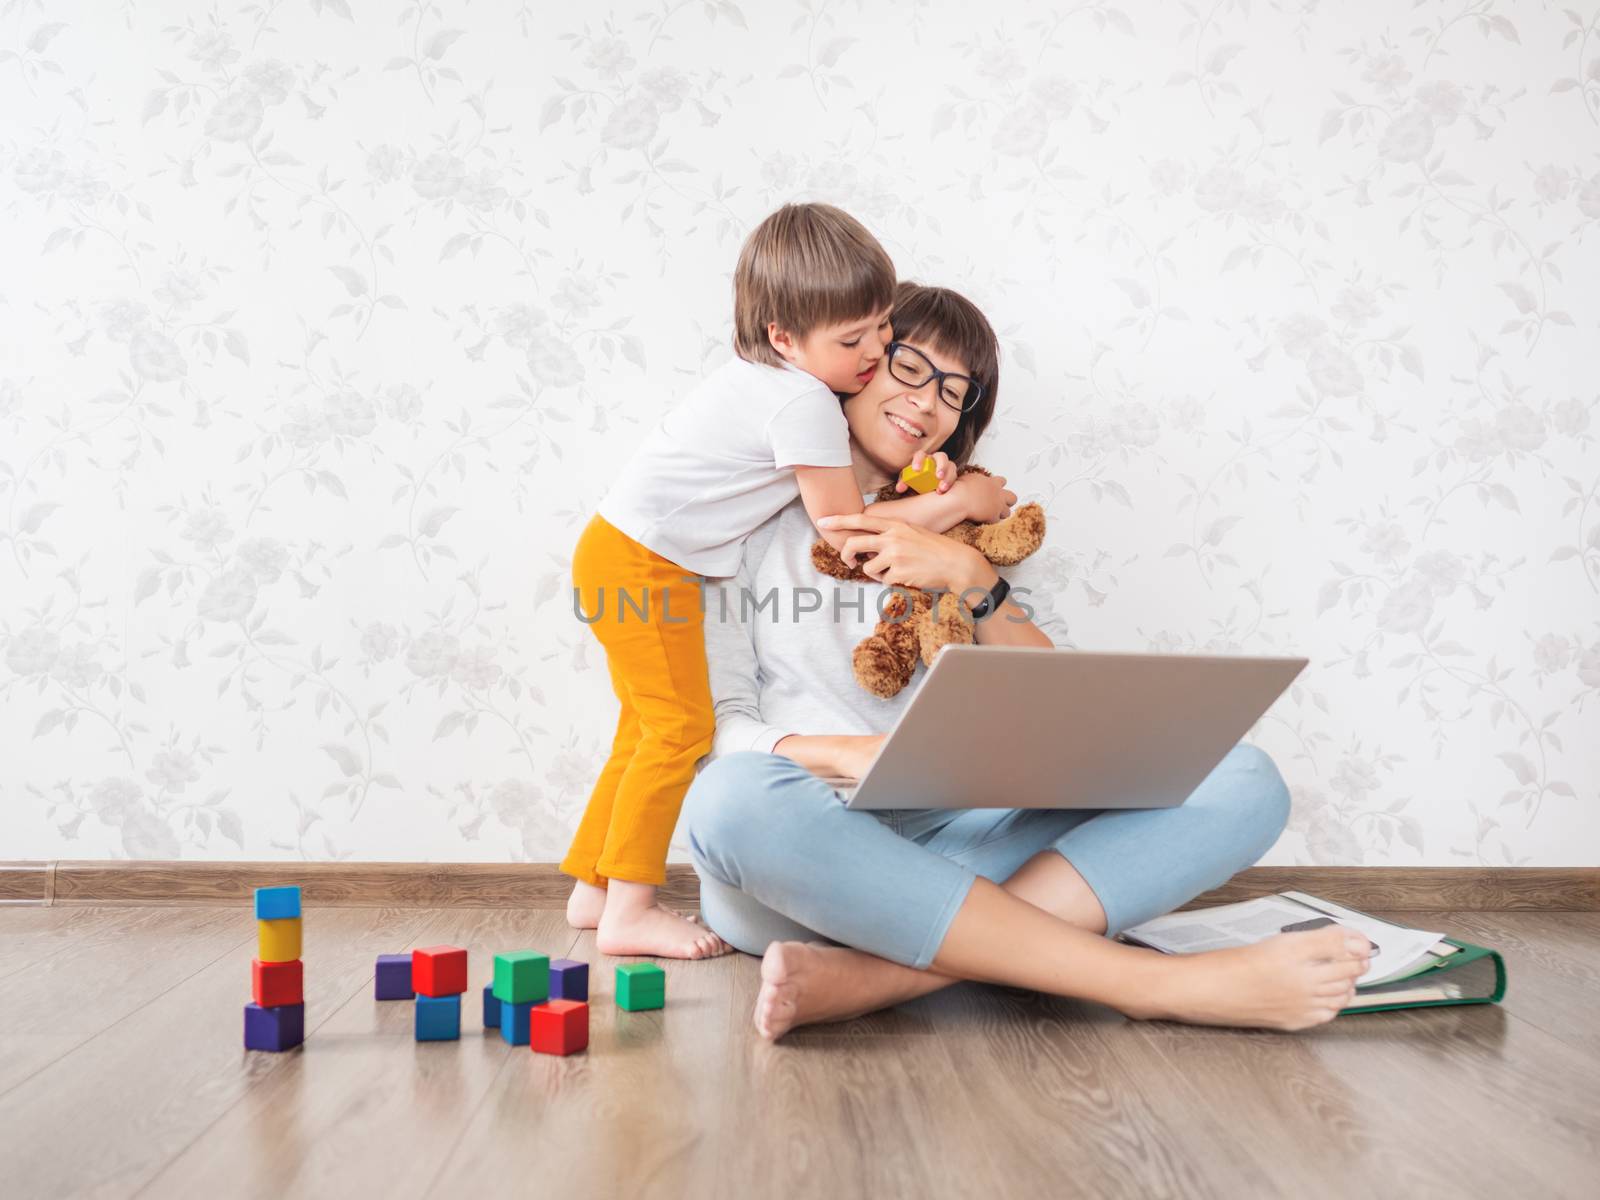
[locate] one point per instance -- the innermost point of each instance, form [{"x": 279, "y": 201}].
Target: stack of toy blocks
[
  {"x": 538, "y": 1003},
  {"x": 276, "y": 1019},
  {"x": 521, "y": 980},
  {"x": 561, "y": 1024},
  {"x": 439, "y": 976}
]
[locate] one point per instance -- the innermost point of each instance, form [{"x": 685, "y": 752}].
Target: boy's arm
[
  {"x": 938, "y": 511},
  {"x": 833, "y": 491},
  {"x": 829, "y": 492}
]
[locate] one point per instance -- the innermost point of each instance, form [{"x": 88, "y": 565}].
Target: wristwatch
[{"x": 991, "y": 602}]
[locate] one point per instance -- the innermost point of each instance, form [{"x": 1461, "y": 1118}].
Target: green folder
[{"x": 1472, "y": 975}]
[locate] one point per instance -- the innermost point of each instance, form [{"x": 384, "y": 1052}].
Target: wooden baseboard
[
  {"x": 27, "y": 882},
  {"x": 541, "y": 885}
]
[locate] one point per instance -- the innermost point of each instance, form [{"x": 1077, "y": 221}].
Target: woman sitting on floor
[{"x": 859, "y": 910}]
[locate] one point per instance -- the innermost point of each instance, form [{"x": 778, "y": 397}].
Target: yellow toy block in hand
[
  {"x": 924, "y": 480},
  {"x": 279, "y": 940}
]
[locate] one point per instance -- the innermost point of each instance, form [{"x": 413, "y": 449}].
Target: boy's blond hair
[{"x": 805, "y": 266}]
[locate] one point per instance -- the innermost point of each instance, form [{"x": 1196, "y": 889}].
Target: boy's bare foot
[
  {"x": 585, "y": 905},
  {"x": 804, "y": 983},
  {"x": 587, "y": 902},
  {"x": 633, "y": 923},
  {"x": 1289, "y": 981},
  {"x": 658, "y": 932}
]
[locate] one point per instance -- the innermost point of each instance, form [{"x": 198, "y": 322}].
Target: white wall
[{"x": 323, "y": 334}]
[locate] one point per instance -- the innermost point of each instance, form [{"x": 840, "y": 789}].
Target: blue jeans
[{"x": 780, "y": 858}]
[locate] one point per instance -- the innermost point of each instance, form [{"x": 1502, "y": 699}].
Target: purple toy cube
[
  {"x": 282, "y": 1027},
  {"x": 491, "y": 1008},
  {"x": 392, "y": 980},
  {"x": 569, "y": 979}
]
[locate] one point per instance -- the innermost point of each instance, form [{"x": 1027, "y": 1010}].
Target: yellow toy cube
[
  {"x": 279, "y": 940},
  {"x": 924, "y": 480}
]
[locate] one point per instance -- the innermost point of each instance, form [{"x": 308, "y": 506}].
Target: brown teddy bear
[{"x": 885, "y": 660}]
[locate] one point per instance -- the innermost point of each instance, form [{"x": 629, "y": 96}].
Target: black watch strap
[{"x": 991, "y": 602}]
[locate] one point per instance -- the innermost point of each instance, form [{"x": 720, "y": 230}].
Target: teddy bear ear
[{"x": 1015, "y": 538}]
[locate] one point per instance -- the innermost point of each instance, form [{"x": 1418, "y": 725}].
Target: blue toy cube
[
  {"x": 281, "y": 1027},
  {"x": 569, "y": 979},
  {"x": 391, "y": 979},
  {"x": 438, "y": 1018},
  {"x": 514, "y": 1020},
  {"x": 491, "y": 1008},
  {"x": 277, "y": 903}
]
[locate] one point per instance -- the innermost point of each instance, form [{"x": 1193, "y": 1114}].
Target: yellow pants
[{"x": 658, "y": 670}]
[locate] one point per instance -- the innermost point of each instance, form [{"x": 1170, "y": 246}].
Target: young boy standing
[{"x": 812, "y": 292}]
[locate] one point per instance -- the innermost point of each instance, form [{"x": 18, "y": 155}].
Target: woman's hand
[
  {"x": 856, "y": 752},
  {"x": 831, "y": 755},
  {"x": 910, "y": 555}
]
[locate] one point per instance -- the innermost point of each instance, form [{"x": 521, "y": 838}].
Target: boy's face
[{"x": 843, "y": 356}]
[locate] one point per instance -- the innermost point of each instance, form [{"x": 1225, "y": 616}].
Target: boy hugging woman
[{"x": 813, "y": 297}]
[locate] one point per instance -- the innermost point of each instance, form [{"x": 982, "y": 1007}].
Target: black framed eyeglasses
[{"x": 913, "y": 368}]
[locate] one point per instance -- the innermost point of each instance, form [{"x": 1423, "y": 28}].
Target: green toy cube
[
  {"x": 522, "y": 977},
  {"x": 641, "y": 986}
]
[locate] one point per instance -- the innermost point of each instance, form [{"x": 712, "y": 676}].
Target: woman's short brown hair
[
  {"x": 805, "y": 266},
  {"x": 948, "y": 322}
]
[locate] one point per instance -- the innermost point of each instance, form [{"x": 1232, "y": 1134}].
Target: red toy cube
[
  {"x": 559, "y": 1027},
  {"x": 275, "y": 983},
  {"x": 439, "y": 971}
]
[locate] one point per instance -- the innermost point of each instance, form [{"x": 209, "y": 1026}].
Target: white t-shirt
[{"x": 722, "y": 462}]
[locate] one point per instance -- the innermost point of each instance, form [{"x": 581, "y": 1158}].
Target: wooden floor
[{"x": 121, "y": 1074}]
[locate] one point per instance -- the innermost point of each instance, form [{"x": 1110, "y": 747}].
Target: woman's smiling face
[{"x": 890, "y": 421}]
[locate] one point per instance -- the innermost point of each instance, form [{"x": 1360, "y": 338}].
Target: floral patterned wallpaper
[{"x": 326, "y": 324}]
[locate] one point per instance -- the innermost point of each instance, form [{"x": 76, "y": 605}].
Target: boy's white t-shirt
[{"x": 722, "y": 462}]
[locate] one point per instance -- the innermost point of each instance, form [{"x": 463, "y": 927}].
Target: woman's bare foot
[
  {"x": 805, "y": 983},
  {"x": 633, "y": 923},
  {"x": 585, "y": 905},
  {"x": 1289, "y": 981}
]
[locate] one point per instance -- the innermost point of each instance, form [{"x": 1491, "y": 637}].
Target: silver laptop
[{"x": 1026, "y": 727}]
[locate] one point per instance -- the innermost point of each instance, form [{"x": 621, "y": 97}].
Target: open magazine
[{"x": 1400, "y": 954}]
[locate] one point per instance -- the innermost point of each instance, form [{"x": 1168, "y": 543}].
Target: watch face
[
  {"x": 998, "y": 592},
  {"x": 992, "y": 601}
]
